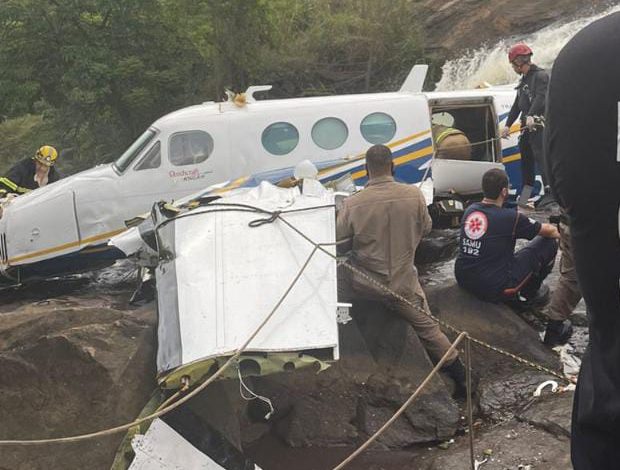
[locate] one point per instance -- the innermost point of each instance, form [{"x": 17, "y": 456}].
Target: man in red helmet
[{"x": 529, "y": 104}]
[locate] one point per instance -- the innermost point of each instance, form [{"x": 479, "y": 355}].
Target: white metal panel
[
  {"x": 51, "y": 222},
  {"x": 162, "y": 448},
  {"x": 463, "y": 177},
  {"x": 229, "y": 276}
]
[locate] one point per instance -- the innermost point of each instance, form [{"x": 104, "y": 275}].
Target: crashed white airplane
[{"x": 64, "y": 227}]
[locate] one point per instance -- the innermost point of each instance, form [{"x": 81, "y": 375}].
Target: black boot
[
  {"x": 557, "y": 333},
  {"x": 456, "y": 371}
]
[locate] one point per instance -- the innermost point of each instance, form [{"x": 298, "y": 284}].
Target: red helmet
[{"x": 517, "y": 50}]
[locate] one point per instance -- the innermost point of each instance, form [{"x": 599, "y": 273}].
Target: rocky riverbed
[{"x": 76, "y": 357}]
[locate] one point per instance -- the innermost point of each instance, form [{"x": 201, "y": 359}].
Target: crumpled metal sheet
[{"x": 218, "y": 279}]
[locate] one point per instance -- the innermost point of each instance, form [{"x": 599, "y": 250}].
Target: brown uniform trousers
[
  {"x": 567, "y": 294},
  {"x": 384, "y": 224}
]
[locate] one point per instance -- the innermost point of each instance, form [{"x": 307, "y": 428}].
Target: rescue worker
[
  {"x": 529, "y": 105},
  {"x": 566, "y": 295},
  {"x": 382, "y": 226},
  {"x": 583, "y": 159},
  {"x": 487, "y": 265},
  {"x": 451, "y": 143},
  {"x": 31, "y": 173}
]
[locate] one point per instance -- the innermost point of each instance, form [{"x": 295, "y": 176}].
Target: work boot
[
  {"x": 524, "y": 197},
  {"x": 539, "y": 299},
  {"x": 557, "y": 333},
  {"x": 456, "y": 371},
  {"x": 547, "y": 202}
]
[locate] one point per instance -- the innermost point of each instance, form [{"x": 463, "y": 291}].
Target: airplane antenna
[
  {"x": 415, "y": 80},
  {"x": 249, "y": 93}
]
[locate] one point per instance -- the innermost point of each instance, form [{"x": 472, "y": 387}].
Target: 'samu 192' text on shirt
[{"x": 486, "y": 248}]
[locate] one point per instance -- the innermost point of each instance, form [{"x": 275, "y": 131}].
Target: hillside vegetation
[{"x": 88, "y": 76}]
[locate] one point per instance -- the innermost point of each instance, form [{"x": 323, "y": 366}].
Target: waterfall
[{"x": 490, "y": 63}]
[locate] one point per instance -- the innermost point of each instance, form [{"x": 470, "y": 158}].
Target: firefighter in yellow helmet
[{"x": 31, "y": 173}]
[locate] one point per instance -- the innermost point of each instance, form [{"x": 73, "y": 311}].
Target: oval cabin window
[
  {"x": 280, "y": 138},
  {"x": 329, "y": 133},
  {"x": 190, "y": 148},
  {"x": 378, "y": 128}
]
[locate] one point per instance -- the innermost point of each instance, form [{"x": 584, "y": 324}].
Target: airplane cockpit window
[
  {"x": 329, "y": 133},
  {"x": 280, "y": 138},
  {"x": 190, "y": 148},
  {"x": 465, "y": 132},
  {"x": 151, "y": 159},
  {"x": 378, "y": 128},
  {"x": 134, "y": 150}
]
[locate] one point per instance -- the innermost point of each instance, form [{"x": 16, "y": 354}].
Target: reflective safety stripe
[
  {"x": 448, "y": 132},
  {"x": 12, "y": 186}
]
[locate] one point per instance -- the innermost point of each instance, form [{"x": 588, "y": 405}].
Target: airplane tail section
[{"x": 415, "y": 80}]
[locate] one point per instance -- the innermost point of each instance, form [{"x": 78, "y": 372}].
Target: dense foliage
[{"x": 89, "y": 75}]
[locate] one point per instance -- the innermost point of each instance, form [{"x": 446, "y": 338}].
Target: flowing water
[{"x": 489, "y": 63}]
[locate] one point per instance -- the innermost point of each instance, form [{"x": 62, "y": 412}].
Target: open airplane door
[
  {"x": 460, "y": 177},
  {"x": 465, "y": 138},
  {"x": 39, "y": 227}
]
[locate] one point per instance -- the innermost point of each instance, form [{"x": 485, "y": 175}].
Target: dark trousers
[
  {"x": 595, "y": 437},
  {"x": 531, "y": 148},
  {"x": 532, "y": 264}
]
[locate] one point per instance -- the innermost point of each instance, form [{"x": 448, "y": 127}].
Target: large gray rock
[
  {"x": 69, "y": 367},
  {"x": 440, "y": 245},
  {"x": 382, "y": 362},
  {"x": 493, "y": 323}
]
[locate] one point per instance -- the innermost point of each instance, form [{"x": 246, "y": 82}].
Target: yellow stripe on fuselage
[
  {"x": 65, "y": 246},
  {"x": 407, "y": 139},
  {"x": 234, "y": 184},
  {"x": 361, "y": 155},
  {"x": 399, "y": 160}
]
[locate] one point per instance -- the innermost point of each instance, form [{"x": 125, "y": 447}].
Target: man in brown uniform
[
  {"x": 383, "y": 225},
  {"x": 566, "y": 295}
]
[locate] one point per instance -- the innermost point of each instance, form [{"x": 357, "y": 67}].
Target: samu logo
[{"x": 476, "y": 225}]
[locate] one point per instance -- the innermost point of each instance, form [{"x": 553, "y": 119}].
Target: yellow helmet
[{"x": 46, "y": 155}]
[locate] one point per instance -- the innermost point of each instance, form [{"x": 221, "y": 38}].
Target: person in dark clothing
[
  {"x": 487, "y": 265},
  {"x": 583, "y": 164},
  {"x": 529, "y": 105},
  {"x": 31, "y": 173}
]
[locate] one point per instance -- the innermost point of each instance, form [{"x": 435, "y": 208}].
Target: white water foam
[{"x": 490, "y": 64}]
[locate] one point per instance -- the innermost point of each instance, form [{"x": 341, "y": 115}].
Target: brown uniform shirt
[{"x": 385, "y": 221}]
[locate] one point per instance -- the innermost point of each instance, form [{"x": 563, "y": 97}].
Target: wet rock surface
[
  {"x": 508, "y": 446},
  {"x": 77, "y": 358},
  {"x": 71, "y": 364},
  {"x": 551, "y": 413},
  {"x": 382, "y": 362},
  {"x": 455, "y": 25}
]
